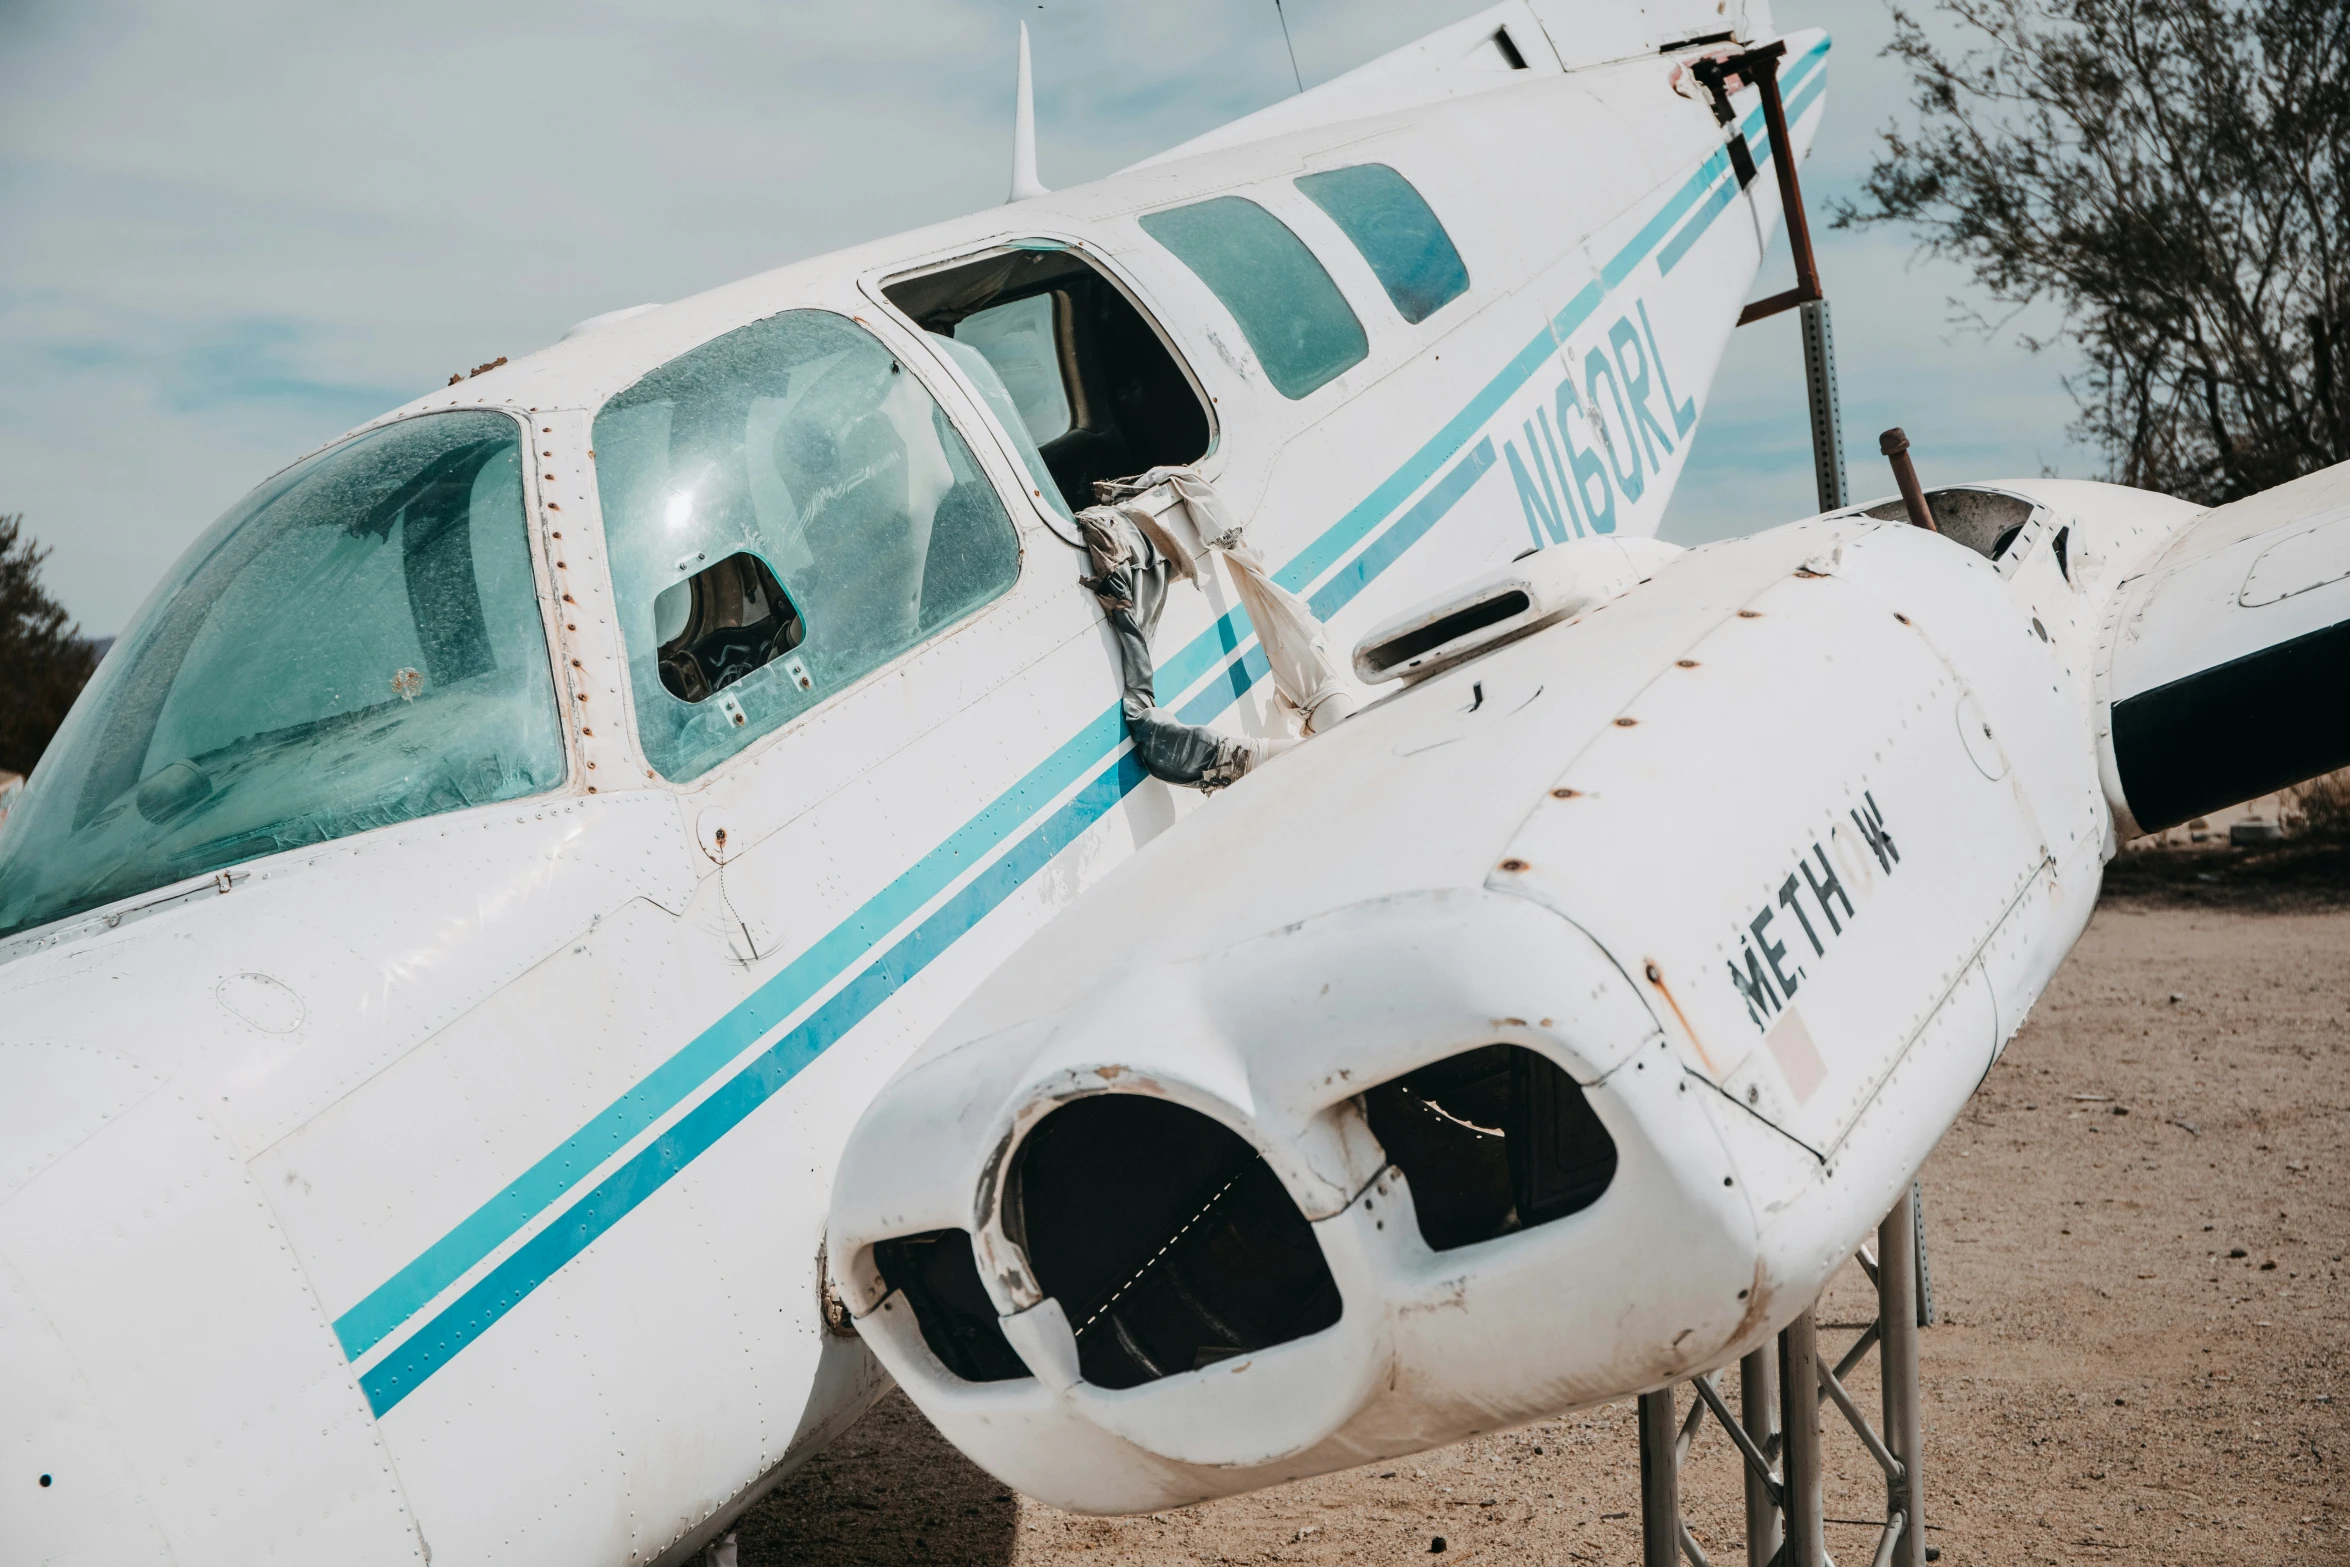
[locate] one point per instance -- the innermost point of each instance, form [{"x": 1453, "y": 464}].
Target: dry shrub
[{"x": 2320, "y": 808}]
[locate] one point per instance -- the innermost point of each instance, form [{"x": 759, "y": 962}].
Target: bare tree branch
[{"x": 2175, "y": 174}]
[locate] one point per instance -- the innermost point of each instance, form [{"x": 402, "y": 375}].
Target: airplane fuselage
[{"x": 458, "y": 1182}]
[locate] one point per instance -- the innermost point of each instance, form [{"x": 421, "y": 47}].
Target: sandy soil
[{"x": 2136, "y": 1236}]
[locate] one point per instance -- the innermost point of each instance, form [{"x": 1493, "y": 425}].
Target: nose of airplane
[
  {"x": 170, "y": 1389},
  {"x": 72, "y": 1495}
]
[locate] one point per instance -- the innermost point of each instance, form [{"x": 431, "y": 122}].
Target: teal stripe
[
  {"x": 1694, "y": 230},
  {"x": 1801, "y": 99},
  {"x": 1579, "y": 310},
  {"x": 498, "y": 1220},
  {"x": 1350, "y": 530},
  {"x": 1630, "y": 257},
  {"x": 495, "y": 1221},
  {"x": 612, "y": 1199},
  {"x": 1357, "y": 574}
]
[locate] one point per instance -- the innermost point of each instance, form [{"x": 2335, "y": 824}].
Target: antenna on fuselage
[
  {"x": 1295, "y": 74},
  {"x": 1024, "y": 181}
]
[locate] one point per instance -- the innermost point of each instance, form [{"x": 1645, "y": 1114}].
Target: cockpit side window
[
  {"x": 786, "y": 510},
  {"x": 1304, "y": 332},
  {"x": 1088, "y": 388},
  {"x": 357, "y": 643},
  {"x": 1392, "y": 225},
  {"x": 1021, "y": 341}
]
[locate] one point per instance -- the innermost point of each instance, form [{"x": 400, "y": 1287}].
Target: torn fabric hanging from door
[{"x": 1156, "y": 529}]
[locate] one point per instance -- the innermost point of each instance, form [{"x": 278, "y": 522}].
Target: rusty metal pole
[
  {"x": 1761, "y": 66},
  {"x": 1660, "y": 1481},
  {"x": 1807, "y": 272},
  {"x": 1827, "y": 417},
  {"x": 1895, "y": 446},
  {"x": 1799, "y": 1425},
  {"x": 1897, "y": 1362},
  {"x": 1758, "y": 1410}
]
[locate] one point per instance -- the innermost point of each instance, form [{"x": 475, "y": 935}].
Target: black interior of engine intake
[
  {"x": 734, "y": 618},
  {"x": 1490, "y": 1141},
  {"x": 1131, "y": 405},
  {"x": 938, "y": 1274},
  {"x": 1166, "y": 1238}
]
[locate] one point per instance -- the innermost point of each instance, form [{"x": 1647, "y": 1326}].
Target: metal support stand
[
  {"x": 1660, "y": 1481},
  {"x": 1897, "y": 1318},
  {"x": 1827, "y": 417},
  {"x": 1758, "y": 1399},
  {"x": 1802, "y": 1505},
  {"x": 1777, "y": 1428}
]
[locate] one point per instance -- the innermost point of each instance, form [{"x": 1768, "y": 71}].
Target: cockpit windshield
[{"x": 357, "y": 643}]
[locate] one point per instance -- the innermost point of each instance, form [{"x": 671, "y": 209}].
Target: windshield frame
[{"x": 553, "y": 639}]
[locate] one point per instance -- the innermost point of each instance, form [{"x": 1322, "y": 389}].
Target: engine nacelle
[{"x": 1547, "y": 1033}]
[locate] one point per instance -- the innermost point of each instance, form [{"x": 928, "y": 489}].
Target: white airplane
[{"x": 444, "y": 955}]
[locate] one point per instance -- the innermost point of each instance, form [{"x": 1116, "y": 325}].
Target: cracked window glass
[
  {"x": 858, "y": 524},
  {"x": 357, "y": 643}
]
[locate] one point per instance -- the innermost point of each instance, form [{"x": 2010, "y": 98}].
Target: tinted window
[
  {"x": 802, "y": 443},
  {"x": 1300, "y": 325},
  {"x": 357, "y": 643},
  {"x": 1399, "y": 236}
]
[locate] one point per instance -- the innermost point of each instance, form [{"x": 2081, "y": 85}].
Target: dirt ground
[{"x": 2136, "y": 1236}]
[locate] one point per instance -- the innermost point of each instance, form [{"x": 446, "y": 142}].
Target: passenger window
[
  {"x": 786, "y": 510},
  {"x": 1079, "y": 377},
  {"x": 1300, "y": 325},
  {"x": 1392, "y": 225},
  {"x": 1019, "y": 340}
]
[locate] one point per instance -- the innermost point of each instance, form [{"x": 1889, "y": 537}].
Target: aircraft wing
[{"x": 2224, "y": 668}]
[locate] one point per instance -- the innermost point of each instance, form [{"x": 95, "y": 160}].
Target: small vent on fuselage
[
  {"x": 1492, "y": 1141},
  {"x": 1475, "y": 617}
]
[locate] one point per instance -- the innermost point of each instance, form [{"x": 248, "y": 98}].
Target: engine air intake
[
  {"x": 939, "y": 1277},
  {"x": 1491, "y": 1141},
  {"x": 1167, "y": 1239}
]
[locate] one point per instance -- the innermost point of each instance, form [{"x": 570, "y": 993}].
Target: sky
[{"x": 234, "y": 230}]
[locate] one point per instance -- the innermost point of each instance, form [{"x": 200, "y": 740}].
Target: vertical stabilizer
[{"x": 1024, "y": 181}]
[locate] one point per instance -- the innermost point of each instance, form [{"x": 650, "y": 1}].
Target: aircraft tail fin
[{"x": 1024, "y": 181}]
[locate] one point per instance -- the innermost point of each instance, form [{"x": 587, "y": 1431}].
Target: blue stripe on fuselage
[{"x": 512, "y": 1210}]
